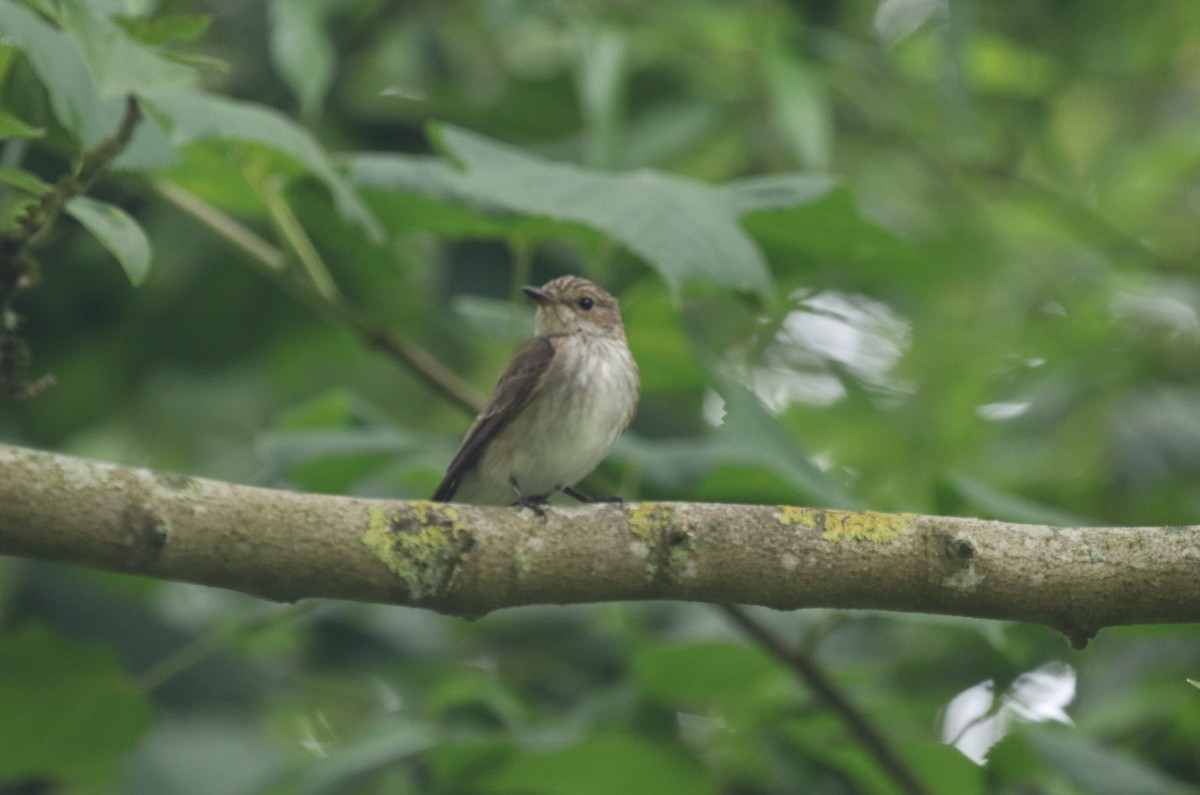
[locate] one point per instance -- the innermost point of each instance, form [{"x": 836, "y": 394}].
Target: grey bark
[{"x": 469, "y": 560}]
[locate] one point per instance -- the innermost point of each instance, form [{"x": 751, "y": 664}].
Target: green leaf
[
  {"x": 77, "y": 103},
  {"x": 824, "y": 224},
  {"x": 801, "y": 106},
  {"x": 12, "y": 127},
  {"x": 56, "y": 60},
  {"x": 778, "y": 191},
  {"x": 741, "y": 681},
  {"x": 382, "y": 746},
  {"x": 117, "y": 231},
  {"x": 289, "y": 449},
  {"x": 301, "y": 50},
  {"x": 69, "y": 711},
  {"x": 163, "y": 29},
  {"x": 666, "y": 358},
  {"x": 119, "y": 63},
  {"x": 752, "y": 435},
  {"x": 194, "y": 116},
  {"x": 202, "y": 752},
  {"x": 601, "y": 765},
  {"x": 23, "y": 180},
  {"x": 1099, "y": 770},
  {"x": 977, "y": 498},
  {"x": 685, "y": 230}
]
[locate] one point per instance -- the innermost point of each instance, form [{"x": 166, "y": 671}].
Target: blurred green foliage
[{"x": 926, "y": 255}]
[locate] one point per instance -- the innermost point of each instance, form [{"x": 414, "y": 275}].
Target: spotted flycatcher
[{"x": 558, "y": 408}]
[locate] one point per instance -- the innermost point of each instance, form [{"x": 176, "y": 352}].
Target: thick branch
[{"x": 469, "y": 560}]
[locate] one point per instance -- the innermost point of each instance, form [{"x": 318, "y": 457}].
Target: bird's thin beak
[{"x": 537, "y": 294}]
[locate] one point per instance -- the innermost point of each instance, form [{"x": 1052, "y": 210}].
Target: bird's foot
[
  {"x": 586, "y": 499},
  {"x": 534, "y": 502}
]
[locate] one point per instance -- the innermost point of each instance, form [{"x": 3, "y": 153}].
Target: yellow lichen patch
[
  {"x": 650, "y": 522},
  {"x": 865, "y": 525},
  {"x": 790, "y": 514},
  {"x": 421, "y": 544}
]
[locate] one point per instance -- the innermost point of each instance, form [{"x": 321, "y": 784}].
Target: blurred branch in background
[
  {"x": 322, "y": 297},
  {"x": 809, "y": 671}
]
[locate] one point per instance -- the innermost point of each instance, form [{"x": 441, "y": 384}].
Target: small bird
[{"x": 557, "y": 409}]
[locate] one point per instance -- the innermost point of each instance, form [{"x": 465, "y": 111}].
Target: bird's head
[{"x": 574, "y": 305}]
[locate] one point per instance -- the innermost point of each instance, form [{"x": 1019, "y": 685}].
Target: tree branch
[
  {"x": 469, "y": 560},
  {"x": 273, "y": 263},
  {"x": 808, "y": 671}
]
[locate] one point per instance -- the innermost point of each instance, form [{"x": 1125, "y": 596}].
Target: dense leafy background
[{"x": 919, "y": 255}]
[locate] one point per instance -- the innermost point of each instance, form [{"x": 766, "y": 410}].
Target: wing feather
[{"x": 517, "y": 385}]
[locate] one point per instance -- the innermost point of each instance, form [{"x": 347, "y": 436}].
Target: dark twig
[
  {"x": 273, "y": 262},
  {"x": 19, "y": 271},
  {"x": 807, "y": 669}
]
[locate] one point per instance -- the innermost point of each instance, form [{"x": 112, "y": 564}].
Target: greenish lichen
[
  {"x": 649, "y": 520},
  {"x": 865, "y": 525},
  {"x": 421, "y": 543},
  {"x": 790, "y": 515},
  {"x": 668, "y": 546},
  {"x": 646, "y": 522},
  {"x": 847, "y": 525}
]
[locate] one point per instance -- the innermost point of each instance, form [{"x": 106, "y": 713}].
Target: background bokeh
[{"x": 912, "y": 255}]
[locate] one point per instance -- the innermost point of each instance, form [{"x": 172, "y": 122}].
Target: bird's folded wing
[{"x": 518, "y": 384}]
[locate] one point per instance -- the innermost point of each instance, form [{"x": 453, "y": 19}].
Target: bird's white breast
[{"x": 571, "y": 425}]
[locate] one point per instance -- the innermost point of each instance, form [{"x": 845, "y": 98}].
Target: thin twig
[
  {"x": 811, "y": 673},
  {"x": 273, "y": 262},
  {"x": 19, "y": 270},
  {"x": 36, "y": 215},
  {"x": 204, "y": 646}
]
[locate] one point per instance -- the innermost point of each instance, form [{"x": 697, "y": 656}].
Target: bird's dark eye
[{"x": 586, "y": 303}]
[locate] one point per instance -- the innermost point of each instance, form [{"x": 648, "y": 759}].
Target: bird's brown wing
[{"x": 516, "y": 387}]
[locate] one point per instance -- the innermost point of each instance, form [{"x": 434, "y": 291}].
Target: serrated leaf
[
  {"x": 117, "y": 231},
  {"x": 687, "y": 231},
  {"x": 682, "y": 228},
  {"x": 195, "y": 116}
]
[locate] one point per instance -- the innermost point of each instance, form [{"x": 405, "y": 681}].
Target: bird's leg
[
  {"x": 535, "y": 503},
  {"x": 585, "y": 498}
]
